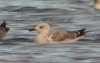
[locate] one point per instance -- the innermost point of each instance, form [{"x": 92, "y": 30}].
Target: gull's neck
[{"x": 43, "y": 37}]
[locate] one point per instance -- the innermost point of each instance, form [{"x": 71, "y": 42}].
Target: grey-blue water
[{"x": 19, "y": 45}]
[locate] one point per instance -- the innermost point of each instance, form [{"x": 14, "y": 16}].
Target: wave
[{"x": 31, "y": 9}]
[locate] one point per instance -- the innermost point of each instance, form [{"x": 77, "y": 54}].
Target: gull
[
  {"x": 3, "y": 30},
  {"x": 97, "y": 4},
  {"x": 46, "y": 35}
]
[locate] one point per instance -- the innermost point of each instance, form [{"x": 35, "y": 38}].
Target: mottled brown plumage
[
  {"x": 62, "y": 35},
  {"x": 3, "y": 30}
]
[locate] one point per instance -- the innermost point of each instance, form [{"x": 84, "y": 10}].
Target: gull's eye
[{"x": 41, "y": 27}]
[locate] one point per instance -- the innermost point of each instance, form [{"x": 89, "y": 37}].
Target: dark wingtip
[
  {"x": 82, "y": 30},
  {"x": 3, "y": 24}
]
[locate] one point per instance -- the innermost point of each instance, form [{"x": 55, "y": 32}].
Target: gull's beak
[{"x": 32, "y": 29}]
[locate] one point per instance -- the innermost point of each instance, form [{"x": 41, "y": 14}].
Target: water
[{"x": 19, "y": 45}]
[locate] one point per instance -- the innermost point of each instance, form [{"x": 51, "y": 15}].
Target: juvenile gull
[
  {"x": 3, "y": 30},
  {"x": 46, "y": 35},
  {"x": 97, "y": 4}
]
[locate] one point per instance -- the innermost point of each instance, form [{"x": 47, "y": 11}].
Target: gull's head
[
  {"x": 96, "y": 1},
  {"x": 41, "y": 28}
]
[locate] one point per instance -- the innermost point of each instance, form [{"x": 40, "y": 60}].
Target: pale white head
[{"x": 41, "y": 28}]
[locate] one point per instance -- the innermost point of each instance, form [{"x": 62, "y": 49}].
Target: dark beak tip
[
  {"x": 29, "y": 30},
  {"x": 32, "y": 30}
]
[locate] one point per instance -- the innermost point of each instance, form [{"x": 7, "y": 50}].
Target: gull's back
[{"x": 59, "y": 36}]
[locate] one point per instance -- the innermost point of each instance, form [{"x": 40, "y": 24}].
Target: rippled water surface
[{"x": 19, "y": 45}]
